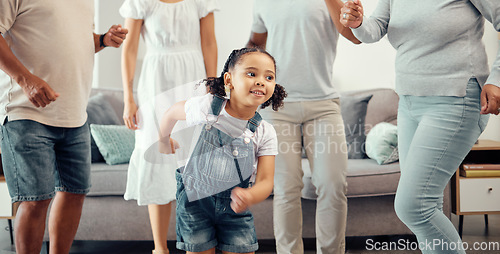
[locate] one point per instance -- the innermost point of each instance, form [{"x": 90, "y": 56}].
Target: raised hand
[
  {"x": 115, "y": 36},
  {"x": 38, "y": 91},
  {"x": 351, "y": 14}
]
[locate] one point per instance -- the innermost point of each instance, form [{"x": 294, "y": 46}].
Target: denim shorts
[
  {"x": 210, "y": 222},
  {"x": 39, "y": 160}
]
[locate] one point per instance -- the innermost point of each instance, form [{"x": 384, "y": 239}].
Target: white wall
[{"x": 357, "y": 67}]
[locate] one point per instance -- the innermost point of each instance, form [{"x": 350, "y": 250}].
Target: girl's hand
[
  {"x": 130, "y": 116},
  {"x": 241, "y": 199},
  {"x": 351, "y": 15},
  {"x": 168, "y": 145},
  {"x": 490, "y": 99}
]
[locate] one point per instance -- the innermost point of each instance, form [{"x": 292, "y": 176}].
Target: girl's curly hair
[{"x": 216, "y": 85}]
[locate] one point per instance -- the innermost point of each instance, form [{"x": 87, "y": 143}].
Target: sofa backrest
[
  {"x": 115, "y": 97},
  {"x": 383, "y": 106}
]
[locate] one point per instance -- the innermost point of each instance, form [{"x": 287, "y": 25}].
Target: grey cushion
[
  {"x": 100, "y": 111},
  {"x": 354, "y": 110},
  {"x": 383, "y": 106}
]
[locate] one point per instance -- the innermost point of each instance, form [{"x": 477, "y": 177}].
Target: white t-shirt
[
  {"x": 303, "y": 40},
  {"x": 198, "y": 111},
  {"x": 54, "y": 40}
]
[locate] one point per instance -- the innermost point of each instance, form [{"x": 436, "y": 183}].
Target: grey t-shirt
[
  {"x": 303, "y": 40},
  {"x": 438, "y": 45}
]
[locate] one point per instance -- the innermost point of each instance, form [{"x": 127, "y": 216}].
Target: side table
[{"x": 477, "y": 195}]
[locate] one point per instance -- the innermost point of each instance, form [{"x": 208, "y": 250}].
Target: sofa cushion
[
  {"x": 99, "y": 111},
  {"x": 383, "y": 106},
  {"x": 108, "y": 179},
  {"x": 382, "y": 143},
  {"x": 365, "y": 178},
  {"x": 353, "y": 110},
  {"x": 115, "y": 142}
]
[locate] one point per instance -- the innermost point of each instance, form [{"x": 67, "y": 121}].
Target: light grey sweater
[{"x": 438, "y": 42}]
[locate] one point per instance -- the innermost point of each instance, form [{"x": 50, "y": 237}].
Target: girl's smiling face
[{"x": 252, "y": 80}]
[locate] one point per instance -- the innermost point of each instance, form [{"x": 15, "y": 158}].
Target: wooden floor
[{"x": 473, "y": 232}]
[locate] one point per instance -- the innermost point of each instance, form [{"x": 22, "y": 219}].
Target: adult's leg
[
  {"x": 287, "y": 206},
  {"x": 29, "y": 226},
  {"x": 447, "y": 128},
  {"x": 64, "y": 219},
  {"x": 28, "y": 159},
  {"x": 324, "y": 140},
  {"x": 159, "y": 216},
  {"x": 72, "y": 151}
]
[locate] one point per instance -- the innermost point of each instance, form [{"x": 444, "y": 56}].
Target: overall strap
[
  {"x": 217, "y": 105},
  {"x": 254, "y": 122}
]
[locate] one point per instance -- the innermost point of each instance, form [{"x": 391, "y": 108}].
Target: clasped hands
[{"x": 351, "y": 14}]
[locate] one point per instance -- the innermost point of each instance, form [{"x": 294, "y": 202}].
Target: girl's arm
[
  {"x": 209, "y": 44},
  {"x": 244, "y": 198},
  {"x": 167, "y": 123},
  {"x": 334, "y": 7},
  {"x": 129, "y": 57}
]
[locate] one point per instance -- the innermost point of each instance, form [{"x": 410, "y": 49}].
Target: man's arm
[
  {"x": 334, "y": 7},
  {"x": 113, "y": 38},
  {"x": 37, "y": 90},
  {"x": 257, "y": 40}
]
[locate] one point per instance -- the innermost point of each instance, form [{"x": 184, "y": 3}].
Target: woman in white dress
[{"x": 181, "y": 48}]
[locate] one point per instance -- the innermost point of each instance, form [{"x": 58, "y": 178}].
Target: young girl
[
  {"x": 181, "y": 47},
  {"x": 213, "y": 191}
]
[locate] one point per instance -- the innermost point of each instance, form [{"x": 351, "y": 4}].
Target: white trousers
[{"x": 318, "y": 127}]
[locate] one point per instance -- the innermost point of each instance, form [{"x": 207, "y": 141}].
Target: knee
[
  {"x": 334, "y": 188},
  {"x": 408, "y": 210},
  {"x": 287, "y": 194}
]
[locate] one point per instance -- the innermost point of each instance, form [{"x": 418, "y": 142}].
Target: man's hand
[
  {"x": 351, "y": 15},
  {"x": 38, "y": 91},
  {"x": 115, "y": 36}
]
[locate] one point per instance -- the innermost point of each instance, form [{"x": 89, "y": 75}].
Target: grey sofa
[{"x": 371, "y": 188}]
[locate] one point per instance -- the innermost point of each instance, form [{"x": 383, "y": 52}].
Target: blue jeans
[
  {"x": 39, "y": 159},
  {"x": 435, "y": 133}
]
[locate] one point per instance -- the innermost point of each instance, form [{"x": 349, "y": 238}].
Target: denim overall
[{"x": 219, "y": 162}]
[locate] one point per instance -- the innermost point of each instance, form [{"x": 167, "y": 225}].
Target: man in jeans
[{"x": 46, "y": 57}]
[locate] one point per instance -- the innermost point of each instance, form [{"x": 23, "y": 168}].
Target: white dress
[{"x": 172, "y": 62}]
